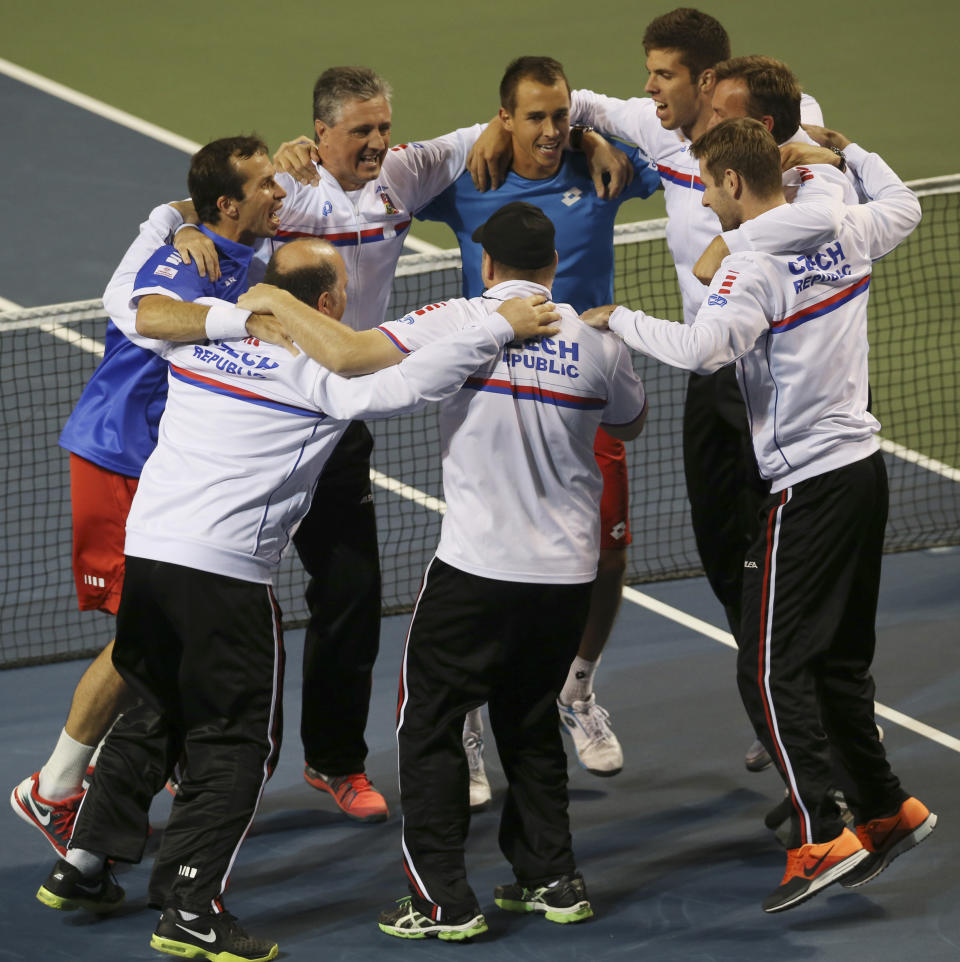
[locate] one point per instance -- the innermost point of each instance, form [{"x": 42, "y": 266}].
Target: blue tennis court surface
[{"x": 673, "y": 849}]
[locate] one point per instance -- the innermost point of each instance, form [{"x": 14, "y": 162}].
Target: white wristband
[{"x": 226, "y": 321}]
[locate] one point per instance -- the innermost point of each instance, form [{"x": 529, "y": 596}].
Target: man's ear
[
  {"x": 733, "y": 182},
  {"x": 505, "y": 119},
  {"x": 707, "y": 81},
  {"x": 228, "y": 207},
  {"x": 486, "y": 266}
]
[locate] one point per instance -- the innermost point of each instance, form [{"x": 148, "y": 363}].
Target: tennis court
[{"x": 673, "y": 849}]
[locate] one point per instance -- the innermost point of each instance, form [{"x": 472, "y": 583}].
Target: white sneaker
[
  {"x": 479, "y": 786},
  {"x": 598, "y": 749}
]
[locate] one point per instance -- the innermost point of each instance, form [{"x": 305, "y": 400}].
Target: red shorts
[
  {"x": 615, "y": 500},
  {"x": 101, "y": 501}
]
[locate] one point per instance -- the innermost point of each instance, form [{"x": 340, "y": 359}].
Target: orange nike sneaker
[
  {"x": 886, "y": 838},
  {"x": 812, "y": 867},
  {"x": 354, "y": 794}
]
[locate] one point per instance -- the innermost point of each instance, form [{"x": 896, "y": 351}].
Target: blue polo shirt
[
  {"x": 583, "y": 222},
  {"x": 115, "y": 421}
]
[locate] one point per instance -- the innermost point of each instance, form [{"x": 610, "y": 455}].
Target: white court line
[
  {"x": 725, "y": 638},
  {"x": 680, "y": 617},
  {"x": 137, "y": 124},
  {"x": 421, "y": 246},
  {"x": 914, "y": 457},
  {"x": 631, "y": 594},
  {"x": 406, "y": 491},
  {"x": 98, "y": 107},
  {"x": 87, "y": 344}
]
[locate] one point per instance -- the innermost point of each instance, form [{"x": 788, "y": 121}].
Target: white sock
[
  {"x": 579, "y": 683},
  {"x": 473, "y": 722},
  {"x": 61, "y": 776},
  {"x": 89, "y": 864}
]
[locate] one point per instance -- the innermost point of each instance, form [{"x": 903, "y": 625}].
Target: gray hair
[{"x": 339, "y": 85}]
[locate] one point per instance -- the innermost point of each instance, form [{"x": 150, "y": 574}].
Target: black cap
[{"x": 518, "y": 235}]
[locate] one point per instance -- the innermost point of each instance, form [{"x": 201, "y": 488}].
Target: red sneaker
[
  {"x": 54, "y": 819},
  {"x": 886, "y": 838},
  {"x": 812, "y": 867},
  {"x": 355, "y": 794}
]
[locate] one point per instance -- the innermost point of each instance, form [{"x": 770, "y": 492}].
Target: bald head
[{"x": 313, "y": 271}]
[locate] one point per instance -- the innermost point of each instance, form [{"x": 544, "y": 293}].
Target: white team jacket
[
  {"x": 246, "y": 431},
  {"x": 797, "y": 323},
  {"x": 690, "y": 225},
  {"x": 367, "y": 226},
  {"x": 520, "y": 476}
]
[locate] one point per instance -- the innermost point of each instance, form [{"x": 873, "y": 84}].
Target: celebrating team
[{"x": 235, "y": 410}]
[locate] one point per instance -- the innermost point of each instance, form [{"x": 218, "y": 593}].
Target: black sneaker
[
  {"x": 564, "y": 900},
  {"x": 404, "y": 922},
  {"x": 214, "y": 935},
  {"x": 67, "y": 889}
]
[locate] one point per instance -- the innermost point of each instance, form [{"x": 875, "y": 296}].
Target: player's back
[
  {"x": 806, "y": 381},
  {"x": 241, "y": 443},
  {"x": 520, "y": 476}
]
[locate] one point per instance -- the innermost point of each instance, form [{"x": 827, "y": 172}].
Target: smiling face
[
  {"x": 353, "y": 148},
  {"x": 257, "y": 213},
  {"x": 679, "y": 98},
  {"x": 539, "y": 126}
]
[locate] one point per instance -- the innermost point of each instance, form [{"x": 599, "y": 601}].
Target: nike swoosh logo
[
  {"x": 42, "y": 817},
  {"x": 810, "y": 870},
  {"x": 92, "y": 889},
  {"x": 881, "y": 842},
  {"x": 210, "y": 936}
]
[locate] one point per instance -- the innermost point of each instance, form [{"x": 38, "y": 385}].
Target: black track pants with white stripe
[
  {"x": 810, "y": 591},
  {"x": 205, "y": 654},
  {"x": 474, "y": 640}
]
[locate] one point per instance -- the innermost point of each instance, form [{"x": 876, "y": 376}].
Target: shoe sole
[
  {"x": 185, "y": 950},
  {"x": 757, "y": 766},
  {"x": 53, "y": 901},
  {"x": 21, "y": 810},
  {"x": 600, "y": 773},
  {"x": 447, "y": 935},
  {"x": 479, "y": 807},
  {"x": 576, "y": 913},
  {"x": 904, "y": 845},
  {"x": 832, "y": 875},
  {"x": 367, "y": 819}
]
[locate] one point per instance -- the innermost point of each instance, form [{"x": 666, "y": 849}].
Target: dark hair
[
  {"x": 772, "y": 91},
  {"x": 544, "y": 70},
  {"x": 700, "y": 39},
  {"x": 746, "y": 146},
  {"x": 304, "y": 283},
  {"x": 338, "y": 85},
  {"x": 213, "y": 173}
]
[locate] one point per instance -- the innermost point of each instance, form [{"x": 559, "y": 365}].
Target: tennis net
[{"x": 49, "y": 353}]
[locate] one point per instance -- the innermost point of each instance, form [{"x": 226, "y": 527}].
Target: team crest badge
[{"x": 387, "y": 203}]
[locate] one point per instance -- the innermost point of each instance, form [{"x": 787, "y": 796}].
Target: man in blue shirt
[{"x": 535, "y": 110}]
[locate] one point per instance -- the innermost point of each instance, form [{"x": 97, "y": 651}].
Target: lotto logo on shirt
[{"x": 165, "y": 270}]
